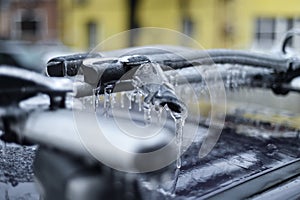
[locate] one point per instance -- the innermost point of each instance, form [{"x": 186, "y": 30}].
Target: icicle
[
  {"x": 172, "y": 79},
  {"x": 130, "y": 102},
  {"x": 257, "y": 123},
  {"x": 276, "y": 128},
  {"x": 241, "y": 80},
  {"x": 112, "y": 100},
  {"x": 244, "y": 76},
  {"x": 176, "y": 176},
  {"x": 228, "y": 80},
  {"x": 147, "y": 113},
  {"x": 95, "y": 98},
  {"x": 179, "y": 137},
  {"x": 140, "y": 100},
  {"x": 176, "y": 80},
  {"x": 179, "y": 123},
  {"x": 107, "y": 99},
  {"x": 122, "y": 99},
  {"x": 159, "y": 111},
  {"x": 129, "y": 96},
  {"x": 234, "y": 79},
  {"x": 90, "y": 101},
  {"x": 86, "y": 102}
]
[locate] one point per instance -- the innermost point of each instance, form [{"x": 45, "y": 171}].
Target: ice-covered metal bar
[
  {"x": 112, "y": 65},
  {"x": 67, "y": 65}
]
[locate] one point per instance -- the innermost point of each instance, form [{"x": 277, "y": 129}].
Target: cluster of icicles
[{"x": 233, "y": 77}]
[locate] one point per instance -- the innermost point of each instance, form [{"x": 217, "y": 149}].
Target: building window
[
  {"x": 28, "y": 25},
  {"x": 296, "y": 39},
  {"x": 268, "y": 31},
  {"x": 187, "y": 26},
  {"x": 265, "y": 32},
  {"x": 92, "y": 34},
  {"x": 290, "y": 25}
]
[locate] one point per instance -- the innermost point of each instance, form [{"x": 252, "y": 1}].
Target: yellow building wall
[
  {"x": 205, "y": 15},
  {"x": 161, "y": 14},
  {"x": 167, "y": 14},
  {"x": 110, "y": 15},
  {"x": 217, "y": 23}
]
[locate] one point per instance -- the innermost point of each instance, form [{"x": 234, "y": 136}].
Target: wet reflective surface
[
  {"x": 16, "y": 174},
  {"x": 235, "y": 159}
]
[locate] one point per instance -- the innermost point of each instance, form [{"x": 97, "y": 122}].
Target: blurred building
[
  {"x": 31, "y": 20},
  {"x": 213, "y": 23},
  {"x": 82, "y": 24}
]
